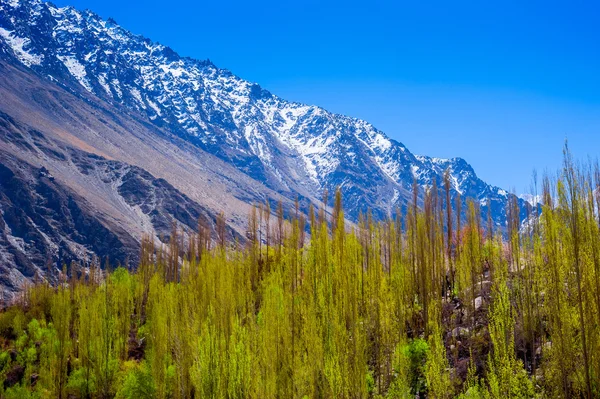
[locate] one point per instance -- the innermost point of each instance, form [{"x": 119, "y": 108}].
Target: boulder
[{"x": 460, "y": 332}]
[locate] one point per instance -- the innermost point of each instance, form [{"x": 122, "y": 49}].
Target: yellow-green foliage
[{"x": 417, "y": 305}]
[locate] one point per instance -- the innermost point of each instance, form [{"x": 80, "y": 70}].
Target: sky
[{"x": 502, "y": 84}]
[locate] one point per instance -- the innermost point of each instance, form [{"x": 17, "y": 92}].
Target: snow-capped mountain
[
  {"x": 533, "y": 200},
  {"x": 292, "y": 149}
]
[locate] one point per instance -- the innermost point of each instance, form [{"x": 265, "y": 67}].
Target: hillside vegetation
[{"x": 426, "y": 304}]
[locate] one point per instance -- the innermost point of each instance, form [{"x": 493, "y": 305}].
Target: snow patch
[
  {"x": 415, "y": 170},
  {"x": 105, "y": 86},
  {"x": 76, "y": 69},
  {"x": 136, "y": 94},
  {"x": 396, "y": 196},
  {"x": 154, "y": 107},
  {"x": 18, "y": 45},
  {"x": 381, "y": 142},
  {"x": 117, "y": 87},
  {"x": 176, "y": 72},
  {"x": 455, "y": 183},
  {"x": 533, "y": 200}
]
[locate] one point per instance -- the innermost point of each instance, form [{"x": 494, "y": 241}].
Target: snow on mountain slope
[
  {"x": 293, "y": 148},
  {"x": 533, "y": 200}
]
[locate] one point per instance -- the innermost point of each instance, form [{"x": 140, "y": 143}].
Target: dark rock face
[
  {"x": 14, "y": 376},
  {"x": 44, "y": 224},
  {"x": 155, "y": 198}
]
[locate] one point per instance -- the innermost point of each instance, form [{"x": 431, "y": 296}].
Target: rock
[
  {"x": 14, "y": 376},
  {"x": 462, "y": 368},
  {"x": 460, "y": 332},
  {"x": 478, "y": 302},
  {"x": 45, "y": 173},
  {"x": 545, "y": 347}
]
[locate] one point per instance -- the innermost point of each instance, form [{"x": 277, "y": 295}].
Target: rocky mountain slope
[
  {"x": 90, "y": 86},
  {"x": 47, "y": 221}
]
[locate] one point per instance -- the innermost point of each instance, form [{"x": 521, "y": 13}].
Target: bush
[
  {"x": 137, "y": 384},
  {"x": 416, "y": 353}
]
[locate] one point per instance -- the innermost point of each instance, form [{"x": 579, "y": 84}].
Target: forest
[{"x": 426, "y": 304}]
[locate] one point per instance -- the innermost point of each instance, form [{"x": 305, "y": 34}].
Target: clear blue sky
[{"x": 499, "y": 83}]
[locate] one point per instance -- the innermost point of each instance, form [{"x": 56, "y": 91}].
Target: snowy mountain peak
[
  {"x": 293, "y": 148},
  {"x": 533, "y": 200}
]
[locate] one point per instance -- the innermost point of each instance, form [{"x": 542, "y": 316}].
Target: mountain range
[{"x": 106, "y": 136}]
